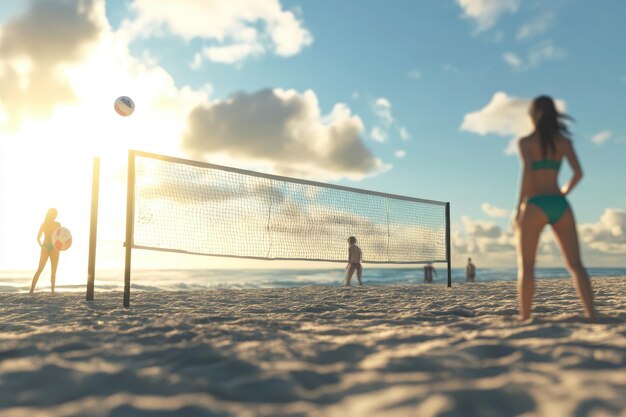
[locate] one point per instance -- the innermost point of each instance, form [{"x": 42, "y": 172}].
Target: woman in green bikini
[
  {"x": 542, "y": 202},
  {"x": 48, "y": 226}
]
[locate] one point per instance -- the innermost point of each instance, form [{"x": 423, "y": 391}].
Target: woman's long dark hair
[{"x": 549, "y": 123}]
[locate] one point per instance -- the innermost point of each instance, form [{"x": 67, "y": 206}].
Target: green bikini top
[{"x": 546, "y": 164}]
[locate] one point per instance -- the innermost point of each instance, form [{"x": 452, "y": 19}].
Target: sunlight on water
[{"x": 197, "y": 279}]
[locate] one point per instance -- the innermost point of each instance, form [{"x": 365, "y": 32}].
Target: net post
[
  {"x": 448, "y": 253},
  {"x": 130, "y": 219},
  {"x": 93, "y": 228}
]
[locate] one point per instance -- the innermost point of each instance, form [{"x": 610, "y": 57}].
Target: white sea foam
[{"x": 321, "y": 351}]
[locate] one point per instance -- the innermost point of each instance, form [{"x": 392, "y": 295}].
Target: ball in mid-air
[
  {"x": 124, "y": 106},
  {"x": 61, "y": 239}
]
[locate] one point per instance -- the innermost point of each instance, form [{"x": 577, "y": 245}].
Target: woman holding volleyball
[{"x": 46, "y": 229}]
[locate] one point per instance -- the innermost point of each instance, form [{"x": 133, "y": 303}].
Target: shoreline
[{"x": 196, "y": 280}]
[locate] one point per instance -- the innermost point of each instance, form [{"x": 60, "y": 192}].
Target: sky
[{"x": 418, "y": 98}]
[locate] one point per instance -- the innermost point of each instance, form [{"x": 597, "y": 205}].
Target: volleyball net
[{"x": 178, "y": 205}]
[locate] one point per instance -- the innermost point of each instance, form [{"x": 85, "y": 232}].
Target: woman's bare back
[{"x": 545, "y": 181}]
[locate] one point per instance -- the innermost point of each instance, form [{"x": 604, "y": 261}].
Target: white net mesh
[{"x": 191, "y": 207}]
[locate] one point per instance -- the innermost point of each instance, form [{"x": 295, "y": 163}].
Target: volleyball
[
  {"x": 61, "y": 239},
  {"x": 124, "y": 106}
]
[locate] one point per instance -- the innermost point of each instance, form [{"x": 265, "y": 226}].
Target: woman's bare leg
[
  {"x": 565, "y": 231},
  {"x": 359, "y": 273},
  {"x": 54, "y": 262},
  {"x": 43, "y": 258},
  {"x": 349, "y": 273},
  {"x": 529, "y": 229}
]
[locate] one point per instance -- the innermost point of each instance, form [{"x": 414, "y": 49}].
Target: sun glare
[{"x": 47, "y": 162}]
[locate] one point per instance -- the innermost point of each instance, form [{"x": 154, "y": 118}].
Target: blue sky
[
  {"x": 437, "y": 90},
  {"x": 373, "y": 51}
]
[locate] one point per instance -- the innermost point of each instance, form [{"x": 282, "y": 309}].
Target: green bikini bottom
[{"x": 554, "y": 206}]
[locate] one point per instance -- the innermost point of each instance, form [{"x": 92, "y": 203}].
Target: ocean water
[{"x": 196, "y": 279}]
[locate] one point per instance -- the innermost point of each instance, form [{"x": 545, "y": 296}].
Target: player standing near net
[
  {"x": 470, "y": 271},
  {"x": 429, "y": 269},
  {"x": 541, "y": 201},
  {"x": 46, "y": 229},
  {"x": 354, "y": 261}
]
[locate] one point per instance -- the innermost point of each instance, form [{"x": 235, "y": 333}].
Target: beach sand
[{"x": 388, "y": 351}]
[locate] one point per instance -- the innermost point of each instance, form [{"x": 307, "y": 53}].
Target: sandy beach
[{"x": 388, "y": 351}]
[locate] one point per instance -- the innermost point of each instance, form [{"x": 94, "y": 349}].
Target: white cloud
[
  {"x": 400, "y": 153},
  {"x": 487, "y": 12},
  {"x": 404, "y": 134},
  {"x": 285, "y": 131},
  {"x": 382, "y": 109},
  {"x": 287, "y": 33},
  {"x": 608, "y": 236},
  {"x": 602, "y": 243},
  {"x": 480, "y": 228},
  {"x": 35, "y": 54},
  {"x": 197, "y": 62},
  {"x": 537, "y": 55},
  {"x": 231, "y": 54},
  {"x": 545, "y": 51},
  {"x": 601, "y": 137},
  {"x": 383, "y": 103},
  {"x": 495, "y": 246},
  {"x": 536, "y": 26},
  {"x": 415, "y": 73},
  {"x": 513, "y": 60},
  {"x": 231, "y": 26},
  {"x": 378, "y": 134},
  {"x": 385, "y": 122},
  {"x": 493, "y": 211},
  {"x": 503, "y": 116},
  {"x": 485, "y": 242}
]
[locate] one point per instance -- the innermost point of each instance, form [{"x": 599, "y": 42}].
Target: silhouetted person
[
  {"x": 428, "y": 273},
  {"x": 354, "y": 261},
  {"x": 470, "y": 271},
  {"x": 46, "y": 229},
  {"x": 542, "y": 202}
]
